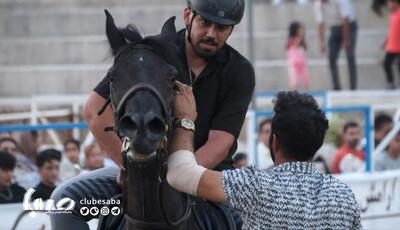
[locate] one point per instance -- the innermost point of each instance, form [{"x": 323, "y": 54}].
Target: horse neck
[{"x": 142, "y": 194}]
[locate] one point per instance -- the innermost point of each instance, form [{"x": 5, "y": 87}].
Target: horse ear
[
  {"x": 168, "y": 29},
  {"x": 114, "y": 35}
]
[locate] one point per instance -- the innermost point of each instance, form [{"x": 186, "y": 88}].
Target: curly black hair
[{"x": 298, "y": 124}]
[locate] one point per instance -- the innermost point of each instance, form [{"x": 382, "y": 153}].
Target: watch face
[{"x": 188, "y": 124}]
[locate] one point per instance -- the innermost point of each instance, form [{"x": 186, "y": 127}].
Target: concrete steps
[
  {"x": 89, "y": 19},
  {"x": 85, "y": 21},
  {"x": 84, "y": 3},
  {"x": 80, "y": 79},
  {"x": 59, "y": 46},
  {"x": 50, "y": 79},
  {"x": 273, "y": 76},
  {"x": 94, "y": 48}
]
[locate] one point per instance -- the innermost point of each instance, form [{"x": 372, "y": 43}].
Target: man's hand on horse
[{"x": 184, "y": 102}]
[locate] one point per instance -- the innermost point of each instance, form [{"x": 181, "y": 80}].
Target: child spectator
[
  {"x": 70, "y": 166},
  {"x": 9, "y": 192},
  {"x": 48, "y": 163},
  {"x": 296, "y": 54},
  {"x": 389, "y": 159},
  {"x": 392, "y": 43},
  {"x": 72, "y": 148},
  {"x": 94, "y": 157}
]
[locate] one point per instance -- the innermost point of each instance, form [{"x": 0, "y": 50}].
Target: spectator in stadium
[
  {"x": 72, "y": 150},
  {"x": 263, "y": 153},
  {"x": 29, "y": 146},
  {"x": 9, "y": 192},
  {"x": 70, "y": 165},
  {"x": 94, "y": 157},
  {"x": 48, "y": 163},
  {"x": 382, "y": 125},
  {"x": 24, "y": 172},
  {"x": 8, "y": 144},
  {"x": 348, "y": 157},
  {"x": 340, "y": 17},
  {"x": 240, "y": 160},
  {"x": 389, "y": 159},
  {"x": 392, "y": 43},
  {"x": 297, "y": 58},
  {"x": 293, "y": 195}
]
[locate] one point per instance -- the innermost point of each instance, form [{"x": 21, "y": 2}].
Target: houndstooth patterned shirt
[{"x": 291, "y": 196}]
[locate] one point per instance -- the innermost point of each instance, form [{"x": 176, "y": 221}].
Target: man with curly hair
[{"x": 293, "y": 195}]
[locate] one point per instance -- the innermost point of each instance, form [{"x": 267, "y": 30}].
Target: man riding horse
[{"x": 223, "y": 82}]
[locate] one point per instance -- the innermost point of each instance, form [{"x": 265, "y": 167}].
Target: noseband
[{"x": 162, "y": 156}]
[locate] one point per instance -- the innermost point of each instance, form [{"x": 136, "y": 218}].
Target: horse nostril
[
  {"x": 155, "y": 126},
  {"x": 127, "y": 125}
]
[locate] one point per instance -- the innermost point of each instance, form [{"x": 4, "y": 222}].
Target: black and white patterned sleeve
[
  {"x": 357, "y": 216},
  {"x": 242, "y": 188}
]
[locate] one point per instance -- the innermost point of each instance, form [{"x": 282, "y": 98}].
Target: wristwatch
[{"x": 185, "y": 124}]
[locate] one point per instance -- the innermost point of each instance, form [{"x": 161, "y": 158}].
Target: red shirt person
[{"x": 348, "y": 158}]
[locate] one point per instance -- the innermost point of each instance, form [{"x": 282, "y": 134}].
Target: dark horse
[{"x": 142, "y": 84}]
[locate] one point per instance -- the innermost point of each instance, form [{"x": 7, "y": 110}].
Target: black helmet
[{"x": 223, "y": 12}]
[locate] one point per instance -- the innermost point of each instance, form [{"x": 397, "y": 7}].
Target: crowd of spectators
[
  {"x": 27, "y": 163},
  {"x": 349, "y": 153}
]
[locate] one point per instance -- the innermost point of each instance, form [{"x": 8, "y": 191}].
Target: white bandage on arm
[{"x": 184, "y": 173}]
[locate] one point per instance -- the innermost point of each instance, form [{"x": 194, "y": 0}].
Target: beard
[
  {"x": 353, "y": 143},
  {"x": 205, "y": 53}
]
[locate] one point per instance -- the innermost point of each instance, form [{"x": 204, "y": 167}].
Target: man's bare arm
[
  {"x": 215, "y": 150},
  {"x": 108, "y": 141},
  {"x": 346, "y": 33}
]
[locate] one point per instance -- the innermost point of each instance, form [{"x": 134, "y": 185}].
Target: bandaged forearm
[{"x": 184, "y": 173}]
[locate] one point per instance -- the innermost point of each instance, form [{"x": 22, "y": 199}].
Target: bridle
[{"x": 161, "y": 152}]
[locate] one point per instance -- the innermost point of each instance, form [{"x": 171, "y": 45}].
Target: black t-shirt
[
  {"x": 223, "y": 91},
  {"x": 42, "y": 191},
  {"x": 12, "y": 194}
]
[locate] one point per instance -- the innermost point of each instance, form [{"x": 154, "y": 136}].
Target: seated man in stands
[
  {"x": 263, "y": 153},
  {"x": 293, "y": 195},
  {"x": 389, "y": 159},
  {"x": 29, "y": 144},
  {"x": 23, "y": 167},
  {"x": 48, "y": 163},
  {"x": 382, "y": 125},
  {"x": 9, "y": 192},
  {"x": 349, "y": 158}
]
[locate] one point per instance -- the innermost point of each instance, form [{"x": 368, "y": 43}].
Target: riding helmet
[{"x": 223, "y": 12}]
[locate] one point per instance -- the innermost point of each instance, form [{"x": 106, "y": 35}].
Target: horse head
[{"x": 142, "y": 79}]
